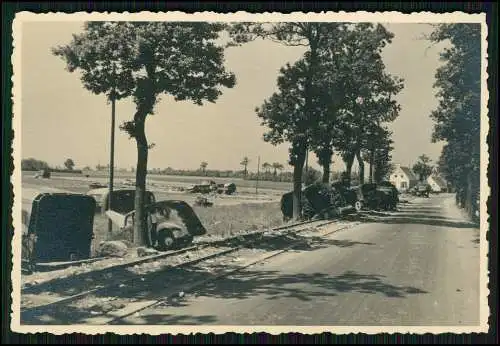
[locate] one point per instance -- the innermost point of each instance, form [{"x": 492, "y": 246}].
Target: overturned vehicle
[
  {"x": 319, "y": 201},
  {"x": 170, "y": 224},
  {"x": 373, "y": 196},
  {"x": 57, "y": 228}
]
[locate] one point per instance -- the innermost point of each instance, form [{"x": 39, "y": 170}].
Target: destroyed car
[
  {"x": 123, "y": 200},
  {"x": 57, "y": 227},
  {"x": 392, "y": 192},
  {"x": 319, "y": 200},
  {"x": 203, "y": 188},
  {"x": 228, "y": 188},
  {"x": 43, "y": 173},
  {"x": 170, "y": 224},
  {"x": 372, "y": 196},
  {"x": 422, "y": 189},
  {"x": 207, "y": 187}
]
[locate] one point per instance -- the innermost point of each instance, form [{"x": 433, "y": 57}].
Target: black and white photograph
[{"x": 303, "y": 172}]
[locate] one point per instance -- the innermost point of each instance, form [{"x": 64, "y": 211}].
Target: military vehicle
[
  {"x": 422, "y": 189},
  {"x": 319, "y": 201},
  {"x": 170, "y": 224},
  {"x": 392, "y": 198},
  {"x": 57, "y": 227},
  {"x": 207, "y": 187},
  {"x": 375, "y": 197}
]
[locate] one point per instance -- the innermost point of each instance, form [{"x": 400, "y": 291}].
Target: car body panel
[{"x": 57, "y": 227}]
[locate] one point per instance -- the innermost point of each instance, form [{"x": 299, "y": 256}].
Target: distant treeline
[
  {"x": 34, "y": 165},
  {"x": 270, "y": 175},
  {"x": 312, "y": 174}
]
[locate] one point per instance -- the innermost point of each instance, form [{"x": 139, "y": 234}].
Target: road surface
[{"x": 417, "y": 266}]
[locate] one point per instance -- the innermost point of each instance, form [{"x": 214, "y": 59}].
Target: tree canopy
[{"x": 458, "y": 115}]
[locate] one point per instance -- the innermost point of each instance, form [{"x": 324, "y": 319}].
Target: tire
[
  {"x": 358, "y": 206},
  {"x": 166, "y": 240}
]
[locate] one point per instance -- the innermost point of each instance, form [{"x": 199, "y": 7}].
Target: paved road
[{"x": 417, "y": 266}]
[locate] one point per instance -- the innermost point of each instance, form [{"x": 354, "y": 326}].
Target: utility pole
[
  {"x": 258, "y": 172},
  {"x": 112, "y": 153}
]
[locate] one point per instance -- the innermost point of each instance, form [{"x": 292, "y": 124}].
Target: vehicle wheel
[
  {"x": 358, "y": 205},
  {"x": 166, "y": 240}
]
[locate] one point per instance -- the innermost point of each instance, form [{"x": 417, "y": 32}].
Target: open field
[
  {"x": 242, "y": 211},
  {"x": 174, "y": 179}
]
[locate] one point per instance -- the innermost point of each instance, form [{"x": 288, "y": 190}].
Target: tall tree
[
  {"x": 245, "y": 163},
  {"x": 457, "y": 117},
  {"x": 266, "y": 166},
  {"x": 203, "y": 167},
  {"x": 277, "y": 166},
  {"x": 69, "y": 164},
  {"x": 369, "y": 88},
  {"x": 313, "y": 36},
  {"x": 423, "y": 167},
  {"x": 145, "y": 60}
]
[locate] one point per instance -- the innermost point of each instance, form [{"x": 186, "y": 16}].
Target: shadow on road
[
  {"x": 417, "y": 219},
  {"x": 244, "y": 284},
  {"x": 169, "y": 319},
  {"x": 85, "y": 281}
]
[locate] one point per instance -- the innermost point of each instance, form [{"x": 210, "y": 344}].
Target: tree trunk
[
  {"x": 361, "y": 167},
  {"x": 349, "y": 160},
  {"x": 326, "y": 174},
  {"x": 140, "y": 237},
  {"x": 297, "y": 184},
  {"x": 372, "y": 166}
]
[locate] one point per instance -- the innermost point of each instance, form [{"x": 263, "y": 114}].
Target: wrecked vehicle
[
  {"x": 207, "y": 187},
  {"x": 349, "y": 194},
  {"x": 319, "y": 200},
  {"x": 203, "y": 188},
  {"x": 422, "y": 189},
  {"x": 170, "y": 224},
  {"x": 122, "y": 201},
  {"x": 43, "y": 173},
  {"x": 392, "y": 192},
  {"x": 203, "y": 201},
  {"x": 373, "y": 196},
  {"x": 57, "y": 227},
  {"x": 228, "y": 188}
]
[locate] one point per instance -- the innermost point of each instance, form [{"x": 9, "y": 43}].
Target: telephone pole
[{"x": 258, "y": 172}]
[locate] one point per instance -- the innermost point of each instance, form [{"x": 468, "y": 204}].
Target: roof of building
[
  {"x": 439, "y": 180},
  {"x": 408, "y": 173}
]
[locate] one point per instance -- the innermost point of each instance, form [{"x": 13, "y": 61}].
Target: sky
[{"x": 61, "y": 119}]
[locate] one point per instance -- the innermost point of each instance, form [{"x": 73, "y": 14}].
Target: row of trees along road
[
  {"x": 317, "y": 106},
  {"x": 457, "y": 117},
  {"x": 337, "y": 96}
]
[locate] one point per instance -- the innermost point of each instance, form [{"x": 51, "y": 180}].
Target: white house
[
  {"x": 437, "y": 183},
  {"x": 403, "y": 178}
]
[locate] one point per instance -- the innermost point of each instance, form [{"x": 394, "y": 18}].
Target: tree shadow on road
[
  {"x": 169, "y": 319},
  {"x": 428, "y": 220},
  {"x": 244, "y": 284}
]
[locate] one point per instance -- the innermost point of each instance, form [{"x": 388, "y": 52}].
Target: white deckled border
[{"x": 360, "y": 16}]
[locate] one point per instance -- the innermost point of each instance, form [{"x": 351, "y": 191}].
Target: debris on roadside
[
  {"x": 112, "y": 248},
  {"x": 144, "y": 251}
]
